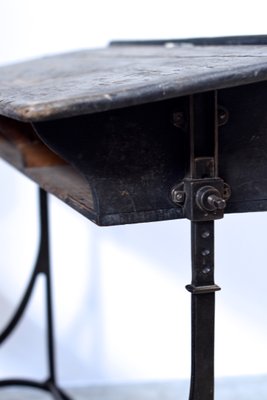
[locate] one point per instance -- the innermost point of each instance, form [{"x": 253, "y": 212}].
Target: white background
[{"x": 121, "y": 310}]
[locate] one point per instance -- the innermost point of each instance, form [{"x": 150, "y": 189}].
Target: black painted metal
[
  {"x": 20, "y": 310},
  {"x": 131, "y": 158},
  {"x": 203, "y": 148},
  {"x": 242, "y": 147},
  {"x": 203, "y": 310},
  {"x": 47, "y": 386},
  {"x": 42, "y": 266}
]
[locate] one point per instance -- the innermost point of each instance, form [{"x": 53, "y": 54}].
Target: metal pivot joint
[
  {"x": 203, "y": 196},
  {"x": 202, "y": 199}
]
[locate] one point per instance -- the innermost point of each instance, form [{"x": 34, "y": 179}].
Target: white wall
[{"x": 121, "y": 309}]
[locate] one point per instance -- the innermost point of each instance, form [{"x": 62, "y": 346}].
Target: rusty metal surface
[{"x": 97, "y": 80}]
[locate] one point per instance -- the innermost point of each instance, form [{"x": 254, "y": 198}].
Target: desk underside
[
  {"x": 123, "y": 163},
  {"x": 99, "y": 128}
]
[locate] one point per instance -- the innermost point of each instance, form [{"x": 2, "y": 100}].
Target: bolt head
[
  {"x": 223, "y": 116},
  {"x": 226, "y": 191},
  {"x": 217, "y": 202},
  {"x": 178, "y": 119},
  {"x": 178, "y": 196}
]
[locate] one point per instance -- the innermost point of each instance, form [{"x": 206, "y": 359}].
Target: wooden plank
[
  {"x": 20, "y": 147},
  {"x": 97, "y": 80}
]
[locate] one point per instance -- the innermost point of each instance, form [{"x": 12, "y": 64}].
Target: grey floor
[{"x": 241, "y": 388}]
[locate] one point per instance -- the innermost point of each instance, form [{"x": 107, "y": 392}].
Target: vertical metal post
[
  {"x": 203, "y": 308},
  {"x": 44, "y": 267},
  {"x": 203, "y": 165}
]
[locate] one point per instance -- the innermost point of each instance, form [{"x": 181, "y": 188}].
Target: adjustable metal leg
[
  {"x": 203, "y": 196},
  {"x": 203, "y": 301},
  {"x": 42, "y": 266}
]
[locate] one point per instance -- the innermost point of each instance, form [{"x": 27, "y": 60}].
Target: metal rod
[
  {"x": 203, "y": 306},
  {"x": 23, "y": 383},
  {"x": 20, "y": 310},
  {"x": 203, "y": 146},
  {"x": 47, "y": 386},
  {"x": 42, "y": 266},
  {"x": 57, "y": 393}
]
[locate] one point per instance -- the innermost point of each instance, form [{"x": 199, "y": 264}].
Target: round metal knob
[
  {"x": 209, "y": 198},
  {"x": 216, "y": 202}
]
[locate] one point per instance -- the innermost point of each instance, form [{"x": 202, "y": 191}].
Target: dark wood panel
[
  {"x": 21, "y": 147},
  {"x": 118, "y": 76}
]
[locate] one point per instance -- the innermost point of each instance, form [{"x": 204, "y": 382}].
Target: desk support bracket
[
  {"x": 42, "y": 266},
  {"x": 203, "y": 196}
]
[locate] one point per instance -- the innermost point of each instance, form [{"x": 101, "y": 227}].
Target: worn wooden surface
[
  {"x": 122, "y": 163},
  {"x": 96, "y": 80},
  {"x": 20, "y": 147}
]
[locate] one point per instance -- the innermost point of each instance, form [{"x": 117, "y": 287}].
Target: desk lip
[{"x": 157, "y": 90}]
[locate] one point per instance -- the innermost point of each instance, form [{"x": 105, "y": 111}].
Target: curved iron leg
[{"x": 42, "y": 266}]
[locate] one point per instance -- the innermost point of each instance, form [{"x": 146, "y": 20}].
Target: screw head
[
  {"x": 226, "y": 191},
  {"x": 178, "y": 119},
  {"x": 223, "y": 116},
  {"x": 178, "y": 196}
]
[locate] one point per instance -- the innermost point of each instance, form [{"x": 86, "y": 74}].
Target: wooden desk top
[
  {"x": 107, "y": 130},
  {"x": 92, "y": 81}
]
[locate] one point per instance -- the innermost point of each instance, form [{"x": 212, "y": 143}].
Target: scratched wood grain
[
  {"x": 97, "y": 80},
  {"x": 20, "y": 147}
]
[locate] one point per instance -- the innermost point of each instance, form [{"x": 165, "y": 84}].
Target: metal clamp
[
  {"x": 202, "y": 289},
  {"x": 202, "y": 199}
]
